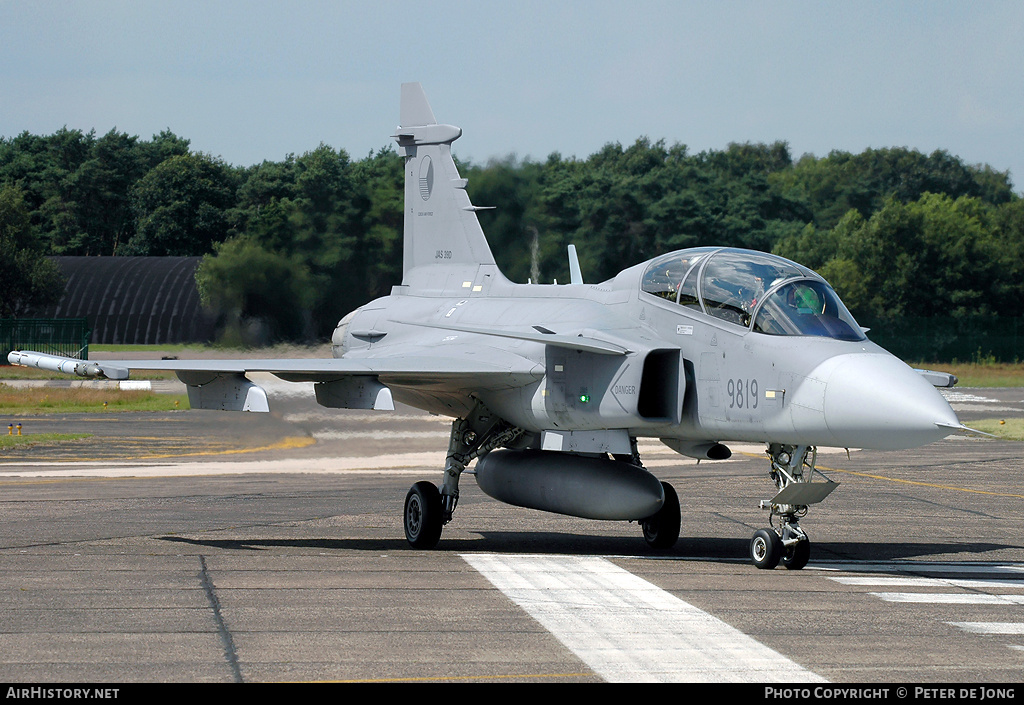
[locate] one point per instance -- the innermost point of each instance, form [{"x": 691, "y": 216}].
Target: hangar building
[{"x": 134, "y": 300}]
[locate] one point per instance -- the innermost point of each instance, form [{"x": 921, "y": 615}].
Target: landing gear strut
[
  {"x": 427, "y": 508},
  {"x": 793, "y": 472}
]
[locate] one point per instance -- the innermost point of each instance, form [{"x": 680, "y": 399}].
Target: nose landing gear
[{"x": 793, "y": 472}]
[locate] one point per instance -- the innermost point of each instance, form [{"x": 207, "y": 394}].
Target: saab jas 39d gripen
[{"x": 550, "y": 386}]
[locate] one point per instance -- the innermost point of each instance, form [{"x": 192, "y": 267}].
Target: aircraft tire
[
  {"x": 422, "y": 516},
  {"x": 766, "y": 549},
  {"x": 662, "y": 529},
  {"x": 796, "y": 557}
]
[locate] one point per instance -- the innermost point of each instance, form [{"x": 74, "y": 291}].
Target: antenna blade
[{"x": 575, "y": 275}]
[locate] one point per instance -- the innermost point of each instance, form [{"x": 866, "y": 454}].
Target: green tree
[
  {"x": 258, "y": 295},
  {"x": 935, "y": 256},
  {"x": 307, "y": 218},
  {"x": 512, "y": 187},
  {"x": 90, "y": 213},
  {"x": 180, "y": 206},
  {"x": 29, "y": 280},
  {"x": 379, "y": 179},
  {"x": 1007, "y": 242},
  {"x": 833, "y": 185},
  {"x": 77, "y": 185}
]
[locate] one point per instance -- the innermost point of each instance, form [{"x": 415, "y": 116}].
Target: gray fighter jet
[{"x": 550, "y": 386}]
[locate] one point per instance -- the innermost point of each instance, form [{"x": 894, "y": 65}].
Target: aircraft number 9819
[{"x": 742, "y": 393}]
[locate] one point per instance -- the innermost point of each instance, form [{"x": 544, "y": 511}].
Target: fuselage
[{"x": 685, "y": 374}]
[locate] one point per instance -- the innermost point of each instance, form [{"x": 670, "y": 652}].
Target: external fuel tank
[{"x": 564, "y": 483}]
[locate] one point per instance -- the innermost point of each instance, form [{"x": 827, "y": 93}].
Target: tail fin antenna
[{"x": 575, "y": 273}]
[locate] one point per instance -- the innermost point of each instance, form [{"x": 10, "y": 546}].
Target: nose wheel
[
  {"x": 796, "y": 556},
  {"x": 766, "y": 549},
  {"x": 792, "y": 548},
  {"x": 794, "y": 475}
]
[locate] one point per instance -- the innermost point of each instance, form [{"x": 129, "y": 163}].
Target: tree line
[{"x": 291, "y": 246}]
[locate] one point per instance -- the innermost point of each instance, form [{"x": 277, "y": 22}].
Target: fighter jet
[{"x": 550, "y": 385}]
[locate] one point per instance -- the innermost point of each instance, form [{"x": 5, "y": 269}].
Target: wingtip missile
[{"x": 67, "y": 365}]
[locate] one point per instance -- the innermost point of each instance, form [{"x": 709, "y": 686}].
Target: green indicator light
[{"x": 584, "y": 398}]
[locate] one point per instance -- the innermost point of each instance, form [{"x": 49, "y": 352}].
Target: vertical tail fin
[{"x": 441, "y": 227}]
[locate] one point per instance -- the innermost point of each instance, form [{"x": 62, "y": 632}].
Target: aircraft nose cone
[{"x": 877, "y": 401}]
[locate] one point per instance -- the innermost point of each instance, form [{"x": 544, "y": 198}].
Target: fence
[
  {"x": 68, "y": 337},
  {"x": 947, "y": 339}
]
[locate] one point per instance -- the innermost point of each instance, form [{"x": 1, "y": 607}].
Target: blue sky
[{"x": 255, "y": 80}]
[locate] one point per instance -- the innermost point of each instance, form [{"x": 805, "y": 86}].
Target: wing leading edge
[{"x": 360, "y": 383}]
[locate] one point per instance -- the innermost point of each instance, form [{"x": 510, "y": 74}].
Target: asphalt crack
[{"x": 225, "y": 635}]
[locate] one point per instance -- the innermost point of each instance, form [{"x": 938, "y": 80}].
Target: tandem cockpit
[{"x": 761, "y": 292}]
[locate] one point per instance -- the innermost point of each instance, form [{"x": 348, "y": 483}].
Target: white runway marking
[
  {"x": 334, "y": 418},
  {"x": 945, "y": 598},
  {"x": 379, "y": 435},
  {"x": 959, "y": 396},
  {"x": 999, "y": 583},
  {"x": 1004, "y": 628},
  {"x": 948, "y": 598},
  {"x": 628, "y": 630},
  {"x": 918, "y": 567},
  {"x": 979, "y": 407},
  {"x": 394, "y": 464}
]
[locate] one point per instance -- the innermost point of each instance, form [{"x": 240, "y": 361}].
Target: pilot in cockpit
[{"x": 758, "y": 292}]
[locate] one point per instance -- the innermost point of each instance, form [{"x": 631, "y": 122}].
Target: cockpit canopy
[{"x": 762, "y": 292}]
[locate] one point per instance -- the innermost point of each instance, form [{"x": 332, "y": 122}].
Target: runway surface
[{"x": 207, "y": 546}]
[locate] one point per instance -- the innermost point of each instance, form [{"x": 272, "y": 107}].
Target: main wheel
[
  {"x": 662, "y": 529},
  {"x": 766, "y": 549},
  {"x": 796, "y": 556},
  {"x": 423, "y": 515}
]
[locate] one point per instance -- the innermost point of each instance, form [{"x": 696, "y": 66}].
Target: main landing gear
[
  {"x": 428, "y": 509},
  {"x": 793, "y": 472},
  {"x": 587, "y": 486}
]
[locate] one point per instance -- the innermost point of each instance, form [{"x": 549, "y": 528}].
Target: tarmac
[{"x": 199, "y": 546}]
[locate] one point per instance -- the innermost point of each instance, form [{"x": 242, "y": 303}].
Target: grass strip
[
  {"x": 15, "y": 441},
  {"x": 52, "y": 400},
  {"x": 980, "y": 374},
  {"x": 1007, "y": 429}
]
